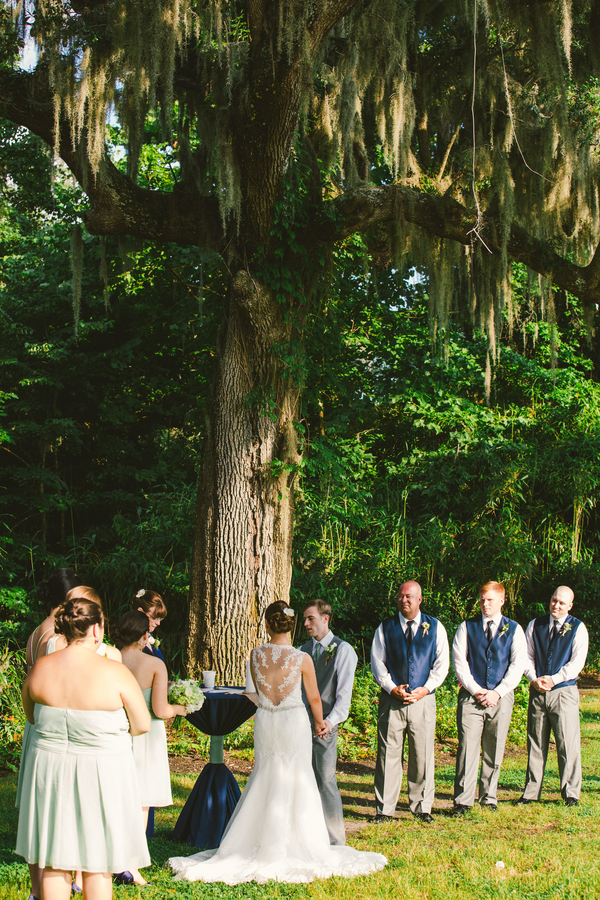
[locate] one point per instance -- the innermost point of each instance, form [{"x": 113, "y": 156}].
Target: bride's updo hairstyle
[
  {"x": 76, "y": 617},
  {"x": 278, "y": 620},
  {"x": 148, "y": 601},
  {"x": 130, "y": 628}
]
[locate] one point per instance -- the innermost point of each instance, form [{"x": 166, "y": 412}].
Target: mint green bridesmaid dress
[{"x": 80, "y": 805}]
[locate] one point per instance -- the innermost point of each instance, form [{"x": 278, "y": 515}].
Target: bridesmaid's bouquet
[{"x": 188, "y": 694}]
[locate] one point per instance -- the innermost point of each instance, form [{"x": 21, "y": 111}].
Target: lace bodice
[{"x": 278, "y": 675}]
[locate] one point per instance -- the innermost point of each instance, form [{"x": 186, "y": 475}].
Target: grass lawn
[{"x": 547, "y": 851}]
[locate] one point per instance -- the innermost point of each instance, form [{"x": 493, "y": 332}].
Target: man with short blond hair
[
  {"x": 557, "y": 646},
  {"x": 489, "y": 657},
  {"x": 409, "y": 660}
]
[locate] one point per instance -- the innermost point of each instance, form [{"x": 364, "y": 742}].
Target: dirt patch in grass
[{"x": 194, "y": 763}]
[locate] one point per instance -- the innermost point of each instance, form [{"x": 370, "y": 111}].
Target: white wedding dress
[{"x": 278, "y": 829}]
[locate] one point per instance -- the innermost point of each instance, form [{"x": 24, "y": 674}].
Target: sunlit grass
[{"x": 548, "y": 852}]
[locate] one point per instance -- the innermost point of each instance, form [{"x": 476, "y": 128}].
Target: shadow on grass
[
  {"x": 362, "y": 787},
  {"x": 180, "y": 792}
]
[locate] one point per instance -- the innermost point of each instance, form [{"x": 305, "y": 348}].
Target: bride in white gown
[{"x": 278, "y": 829}]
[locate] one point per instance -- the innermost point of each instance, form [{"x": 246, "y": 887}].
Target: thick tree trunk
[{"x": 243, "y": 532}]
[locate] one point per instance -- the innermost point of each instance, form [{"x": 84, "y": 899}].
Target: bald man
[
  {"x": 409, "y": 660},
  {"x": 557, "y": 647}
]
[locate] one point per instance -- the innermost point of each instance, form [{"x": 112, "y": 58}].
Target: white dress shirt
[
  {"x": 440, "y": 666},
  {"x": 516, "y": 667},
  {"x": 344, "y": 662},
  {"x": 579, "y": 651}
]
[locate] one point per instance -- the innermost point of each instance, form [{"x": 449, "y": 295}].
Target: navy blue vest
[
  {"x": 410, "y": 666},
  {"x": 489, "y": 662},
  {"x": 550, "y": 660}
]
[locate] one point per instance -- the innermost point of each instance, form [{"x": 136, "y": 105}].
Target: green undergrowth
[
  {"x": 540, "y": 852},
  {"x": 12, "y": 714}
]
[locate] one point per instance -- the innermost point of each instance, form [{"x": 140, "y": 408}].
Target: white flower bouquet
[{"x": 188, "y": 694}]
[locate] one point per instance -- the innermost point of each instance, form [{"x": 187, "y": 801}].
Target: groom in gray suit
[{"x": 335, "y": 664}]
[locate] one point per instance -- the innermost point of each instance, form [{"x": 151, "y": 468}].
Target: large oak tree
[{"x": 459, "y": 133}]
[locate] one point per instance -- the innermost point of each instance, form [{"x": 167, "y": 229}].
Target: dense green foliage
[
  {"x": 102, "y": 423},
  {"x": 411, "y": 474}
]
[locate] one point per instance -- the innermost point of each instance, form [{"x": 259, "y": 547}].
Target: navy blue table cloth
[{"x": 214, "y": 797}]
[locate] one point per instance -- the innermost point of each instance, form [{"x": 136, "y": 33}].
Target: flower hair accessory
[
  {"x": 289, "y": 611},
  {"x": 140, "y": 593}
]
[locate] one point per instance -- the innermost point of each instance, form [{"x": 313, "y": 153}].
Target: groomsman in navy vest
[
  {"x": 557, "y": 647},
  {"x": 489, "y": 657},
  {"x": 335, "y": 664},
  {"x": 409, "y": 660}
]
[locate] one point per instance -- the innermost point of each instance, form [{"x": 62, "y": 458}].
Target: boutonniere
[
  {"x": 503, "y": 630},
  {"x": 330, "y": 652},
  {"x": 153, "y": 642},
  {"x": 425, "y": 627},
  {"x": 566, "y": 627}
]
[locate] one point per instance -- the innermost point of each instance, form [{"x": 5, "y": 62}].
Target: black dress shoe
[
  {"x": 491, "y": 806},
  {"x": 522, "y": 801},
  {"x": 460, "y": 810},
  {"x": 571, "y": 801},
  {"x": 424, "y": 817},
  {"x": 379, "y": 818}
]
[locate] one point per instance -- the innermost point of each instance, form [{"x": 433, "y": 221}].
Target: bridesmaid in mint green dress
[
  {"x": 80, "y": 804},
  {"x": 149, "y": 750},
  {"x": 53, "y": 594}
]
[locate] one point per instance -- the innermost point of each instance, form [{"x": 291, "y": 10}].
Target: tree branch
[
  {"x": 366, "y": 206},
  {"x": 118, "y": 205},
  {"x": 329, "y": 14}
]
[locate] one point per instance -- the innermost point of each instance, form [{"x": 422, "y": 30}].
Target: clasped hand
[
  {"x": 323, "y": 728},
  {"x": 487, "y": 698},
  {"x": 543, "y": 683},
  {"x": 402, "y": 693}
]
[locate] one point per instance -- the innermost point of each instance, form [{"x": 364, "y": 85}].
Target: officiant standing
[
  {"x": 335, "y": 663},
  {"x": 410, "y": 658}
]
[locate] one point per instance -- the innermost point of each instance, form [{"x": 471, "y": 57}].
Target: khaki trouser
[
  {"x": 397, "y": 723},
  {"x": 555, "y": 711},
  {"x": 480, "y": 728}
]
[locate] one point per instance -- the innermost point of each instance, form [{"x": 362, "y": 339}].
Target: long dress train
[{"x": 278, "y": 829}]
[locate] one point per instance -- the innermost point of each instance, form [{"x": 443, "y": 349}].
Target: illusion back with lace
[{"x": 278, "y": 675}]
